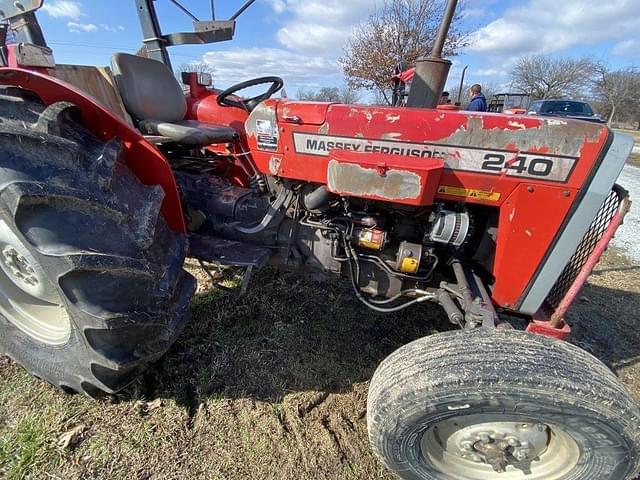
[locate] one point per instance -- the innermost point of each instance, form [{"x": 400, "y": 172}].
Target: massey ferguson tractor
[{"x": 104, "y": 194}]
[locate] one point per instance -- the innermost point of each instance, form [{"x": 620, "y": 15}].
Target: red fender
[{"x": 145, "y": 160}]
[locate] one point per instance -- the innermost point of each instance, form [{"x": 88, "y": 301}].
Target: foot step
[{"x": 227, "y": 252}]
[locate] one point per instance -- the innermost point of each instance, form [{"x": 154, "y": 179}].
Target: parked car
[{"x": 564, "y": 108}]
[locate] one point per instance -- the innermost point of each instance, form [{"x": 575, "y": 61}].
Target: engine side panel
[
  {"x": 528, "y": 222},
  {"x": 532, "y": 169}
]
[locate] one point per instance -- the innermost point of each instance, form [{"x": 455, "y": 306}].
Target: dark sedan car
[{"x": 564, "y": 108}]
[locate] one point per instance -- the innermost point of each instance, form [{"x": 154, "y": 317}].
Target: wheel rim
[
  {"x": 28, "y": 299},
  {"x": 463, "y": 448}
]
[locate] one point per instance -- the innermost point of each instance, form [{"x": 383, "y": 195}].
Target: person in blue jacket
[{"x": 478, "y": 103}]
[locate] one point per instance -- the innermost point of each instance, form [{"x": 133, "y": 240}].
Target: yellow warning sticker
[{"x": 469, "y": 193}]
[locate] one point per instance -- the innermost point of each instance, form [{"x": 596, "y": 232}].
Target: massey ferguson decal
[{"x": 493, "y": 162}]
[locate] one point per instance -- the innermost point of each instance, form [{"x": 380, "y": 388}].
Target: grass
[{"x": 269, "y": 386}]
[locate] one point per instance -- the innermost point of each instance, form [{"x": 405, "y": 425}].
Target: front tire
[
  {"x": 91, "y": 282},
  {"x": 504, "y": 405}
]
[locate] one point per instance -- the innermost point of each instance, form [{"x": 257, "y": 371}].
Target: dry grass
[{"x": 272, "y": 385}]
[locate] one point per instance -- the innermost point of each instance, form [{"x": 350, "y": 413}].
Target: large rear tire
[
  {"x": 466, "y": 405},
  {"x": 91, "y": 281}
]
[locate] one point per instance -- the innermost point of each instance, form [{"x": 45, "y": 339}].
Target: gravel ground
[{"x": 627, "y": 236}]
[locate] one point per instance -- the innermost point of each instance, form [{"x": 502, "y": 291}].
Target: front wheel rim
[
  {"x": 28, "y": 299},
  {"x": 533, "y": 450}
]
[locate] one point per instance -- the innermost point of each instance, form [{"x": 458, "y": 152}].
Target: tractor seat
[{"x": 154, "y": 98}]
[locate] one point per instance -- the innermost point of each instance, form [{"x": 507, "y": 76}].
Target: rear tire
[
  {"x": 91, "y": 282},
  {"x": 431, "y": 402}
]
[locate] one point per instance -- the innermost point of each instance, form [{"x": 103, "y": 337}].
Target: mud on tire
[{"x": 77, "y": 227}]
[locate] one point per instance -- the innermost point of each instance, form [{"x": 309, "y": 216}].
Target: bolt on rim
[
  {"x": 488, "y": 447},
  {"x": 28, "y": 299}
]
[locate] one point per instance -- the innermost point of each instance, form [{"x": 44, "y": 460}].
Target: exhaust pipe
[{"x": 432, "y": 71}]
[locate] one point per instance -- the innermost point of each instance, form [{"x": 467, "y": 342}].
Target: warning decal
[
  {"x": 267, "y": 135},
  {"x": 469, "y": 193}
]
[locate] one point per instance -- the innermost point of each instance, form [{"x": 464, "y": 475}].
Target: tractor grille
[{"x": 586, "y": 246}]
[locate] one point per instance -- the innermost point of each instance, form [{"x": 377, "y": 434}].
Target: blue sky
[{"x": 301, "y": 40}]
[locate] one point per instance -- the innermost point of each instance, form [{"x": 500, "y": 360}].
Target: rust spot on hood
[
  {"x": 552, "y": 136},
  {"x": 353, "y": 179}
]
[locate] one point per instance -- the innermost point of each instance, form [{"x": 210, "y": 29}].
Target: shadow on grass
[
  {"x": 604, "y": 322},
  {"x": 291, "y": 334},
  {"x": 287, "y": 334}
]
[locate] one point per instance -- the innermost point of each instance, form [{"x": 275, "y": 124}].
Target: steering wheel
[{"x": 225, "y": 100}]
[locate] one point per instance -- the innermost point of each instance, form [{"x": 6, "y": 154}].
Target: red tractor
[{"x": 476, "y": 212}]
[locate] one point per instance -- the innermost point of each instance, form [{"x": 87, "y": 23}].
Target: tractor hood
[{"x": 307, "y": 113}]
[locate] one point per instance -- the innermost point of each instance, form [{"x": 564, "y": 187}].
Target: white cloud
[
  {"x": 489, "y": 72},
  {"x": 312, "y": 34},
  {"x": 475, "y": 13},
  {"x": 298, "y": 70},
  {"x": 278, "y": 6},
  {"x": 313, "y": 38},
  {"x": 546, "y": 26},
  {"x": 75, "y": 27},
  {"x": 63, "y": 9},
  {"x": 320, "y": 27},
  {"x": 627, "y": 48},
  {"x": 111, "y": 28}
]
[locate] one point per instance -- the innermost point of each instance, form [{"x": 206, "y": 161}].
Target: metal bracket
[
  {"x": 29, "y": 55},
  {"x": 246, "y": 278},
  {"x": 227, "y": 252},
  {"x": 475, "y": 300},
  {"x": 211, "y": 31},
  {"x": 205, "y": 32},
  {"x": 540, "y": 327},
  {"x": 11, "y": 8}
]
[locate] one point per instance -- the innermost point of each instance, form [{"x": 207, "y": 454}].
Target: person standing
[{"x": 478, "y": 103}]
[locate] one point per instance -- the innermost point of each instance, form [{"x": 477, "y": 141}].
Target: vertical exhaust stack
[{"x": 432, "y": 71}]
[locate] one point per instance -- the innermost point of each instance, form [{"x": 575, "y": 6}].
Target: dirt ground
[{"x": 272, "y": 385}]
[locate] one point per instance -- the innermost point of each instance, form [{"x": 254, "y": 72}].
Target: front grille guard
[{"x": 575, "y": 274}]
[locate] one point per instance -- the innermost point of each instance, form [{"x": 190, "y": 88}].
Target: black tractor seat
[
  {"x": 189, "y": 132},
  {"x": 155, "y": 100}
]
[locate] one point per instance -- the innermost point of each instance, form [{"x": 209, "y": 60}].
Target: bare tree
[
  {"x": 399, "y": 31},
  {"x": 198, "y": 67},
  {"x": 619, "y": 90},
  {"x": 544, "y": 76},
  {"x": 345, "y": 94}
]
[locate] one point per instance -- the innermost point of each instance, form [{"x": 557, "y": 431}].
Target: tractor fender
[{"x": 146, "y": 162}]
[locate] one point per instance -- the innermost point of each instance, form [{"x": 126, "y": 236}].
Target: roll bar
[
  {"x": 204, "y": 31},
  {"x": 22, "y": 20}
]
